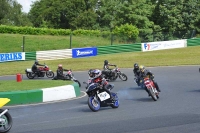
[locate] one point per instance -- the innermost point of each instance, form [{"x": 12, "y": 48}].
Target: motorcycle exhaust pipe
[{"x": 5, "y": 111}]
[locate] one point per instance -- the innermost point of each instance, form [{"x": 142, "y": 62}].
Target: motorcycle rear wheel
[
  {"x": 30, "y": 75},
  {"x": 94, "y": 104},
  {"x": 5, "y": 126}
]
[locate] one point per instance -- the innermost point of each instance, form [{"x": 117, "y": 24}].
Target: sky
[{"x": 26, "y": 4}]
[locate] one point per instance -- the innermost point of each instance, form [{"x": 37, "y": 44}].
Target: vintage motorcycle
[
  {"x": 114, "y": 75},
  {"x": 98, "y": 97},
  {"x": 44, "y": 70},
  {"x": 151, "y": 88},
  {"x": 68, "y": 76},
  {"x": 5, "y": 117}
]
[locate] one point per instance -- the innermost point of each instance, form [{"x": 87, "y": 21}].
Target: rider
[
  {"x": 35, "y": 68},
  {"x": 106, "y": 67},
  {"x": 144, "y": 73},
  {"x": 59, "y": 71},
  {"x": 136, "y": 72},
  {"x": 97, "y": 77}
]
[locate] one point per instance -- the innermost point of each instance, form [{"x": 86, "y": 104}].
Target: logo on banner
[
  {"x": 82, "y": 53},
  {"x": 147, "y": 46},
  {"x": 11, "y": 57}
]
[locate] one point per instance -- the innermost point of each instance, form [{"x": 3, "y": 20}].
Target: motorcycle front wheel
[
  {"x": 5, "y": 122},
  {"x": 50, "y": 74},
  {"x": 93, "y": 103},
  {"x": 153, "y": 95},
  {"x": 123, "y": 77}
]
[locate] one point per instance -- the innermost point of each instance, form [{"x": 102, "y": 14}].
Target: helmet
[
  {"x": 142, "y": 68},
  {"x": 136, "y": 66},
  {"x": 36, "y": 62},
  {"x": 106, "y": 62},
  {"x": 91, "y": 73},
  {"x": 60, "y": 66},
  {"x": 97, "y": 73}
]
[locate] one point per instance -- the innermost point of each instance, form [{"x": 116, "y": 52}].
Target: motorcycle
[
  {"x": 5, "y": 117},
  {"x": 44, "y": 70},
  {"x": 115, "y": 74},
  {"x": 70, "y": 76},
  {"x": 151, "y": 88},
  {"x": 98, "y": 97}
]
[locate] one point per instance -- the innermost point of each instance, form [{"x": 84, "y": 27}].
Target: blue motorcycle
[{"x": 98, "y": 97}]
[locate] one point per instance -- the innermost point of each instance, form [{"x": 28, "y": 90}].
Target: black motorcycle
[
  {"x": 98, "y": 97},
  {"x": 114, "y": 74}
]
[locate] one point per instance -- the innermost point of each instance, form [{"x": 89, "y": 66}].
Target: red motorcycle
[
  {"x": 151, "y": 88},
  {"x": 44, "y": 70}
]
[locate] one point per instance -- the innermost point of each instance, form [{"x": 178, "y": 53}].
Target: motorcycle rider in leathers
[
  {"x": 59, "y": 72},
  {"x": 35, "y": 68},
  {"x": 144, "y": 73},
  {"x": 106, "y": 68},
  {"x": 96, "y": 77},
  {"x": 136, "y": 72}
]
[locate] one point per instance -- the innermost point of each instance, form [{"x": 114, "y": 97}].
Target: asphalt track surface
[{"x": 177, "y": 110}]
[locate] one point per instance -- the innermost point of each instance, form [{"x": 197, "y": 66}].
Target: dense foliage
[{"x": 151, "y": 17}]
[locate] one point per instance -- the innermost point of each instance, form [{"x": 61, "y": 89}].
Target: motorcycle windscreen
[
  {"x": 103, "y": 96},
  {"x": 3, "y": 101},
  {"x": 92, "y": 86}
]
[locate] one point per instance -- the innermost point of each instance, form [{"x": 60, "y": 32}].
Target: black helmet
[
  {"x": 136, "y": 66},
  {"x": 90, "y": 73},
  {"x": 106, "y": 62},
  {"x": 36, "y": 62}
]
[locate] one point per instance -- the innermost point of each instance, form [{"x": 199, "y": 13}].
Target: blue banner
[
  {"x": 84, "y": 52},
  {"x": 4, "y": 57}
]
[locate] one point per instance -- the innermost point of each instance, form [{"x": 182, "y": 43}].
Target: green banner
[{"x": 118, "y": 48}]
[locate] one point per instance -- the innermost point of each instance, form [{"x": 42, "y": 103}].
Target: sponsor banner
[
  {"x": 4, "y": 57},
  {"x": 163, "y": 45},
  {"x": 84, "y": 52}
]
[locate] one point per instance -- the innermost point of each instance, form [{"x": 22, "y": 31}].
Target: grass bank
[
  {"x": 13, "y": 42},
  {"x": 171, "y": 57},
  {"x": 10, "y": 85}
]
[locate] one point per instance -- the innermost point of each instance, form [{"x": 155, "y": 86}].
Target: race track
[{"x": 177, "y": 110}]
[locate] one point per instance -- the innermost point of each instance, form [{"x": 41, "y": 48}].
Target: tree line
[{"x": 149, "y": 16}]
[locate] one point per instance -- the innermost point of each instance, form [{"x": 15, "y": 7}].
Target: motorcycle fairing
[
  {"x": 103, "y": 96},
  {"x": 28, "y": 70}
]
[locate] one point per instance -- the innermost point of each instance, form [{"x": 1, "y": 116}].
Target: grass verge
[{"x": 10, "y": 85}]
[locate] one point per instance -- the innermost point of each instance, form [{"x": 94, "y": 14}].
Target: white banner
[
  {"x": 4, "y": 57},
  {"x": 163, "y": 45}
]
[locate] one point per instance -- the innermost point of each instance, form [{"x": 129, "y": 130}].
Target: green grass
[
  {"x": 13, "y": 42},
  {"x": 10, "y": 85},
  {"x": 171, "y": 57}
]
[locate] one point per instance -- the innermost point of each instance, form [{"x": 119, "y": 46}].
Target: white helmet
[{"x": 97, "y": 73}]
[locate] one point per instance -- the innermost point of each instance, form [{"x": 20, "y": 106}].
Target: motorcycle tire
[
  {"x": 5, "y": 126},
  {"x": 123, "y": 77},
  {"x": 93, "y": 104},
  {"x": 30, "y": 75},
  {"x": 79, "y": 84},
  {"x": 116, "y": 102},
  {"x": 153, "y": 95},
  {"x": 50, "y": 74}
]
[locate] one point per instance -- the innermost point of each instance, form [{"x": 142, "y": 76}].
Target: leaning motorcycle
[
  {"x": 115, "y": 74},
  {"x": 98, "y": 97},
  {"x": 70, "y": 76},
  {"x": 44, "y": 70},
  {"x": 5, "y": 117},
  {"x": 151, "y": 88}
]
